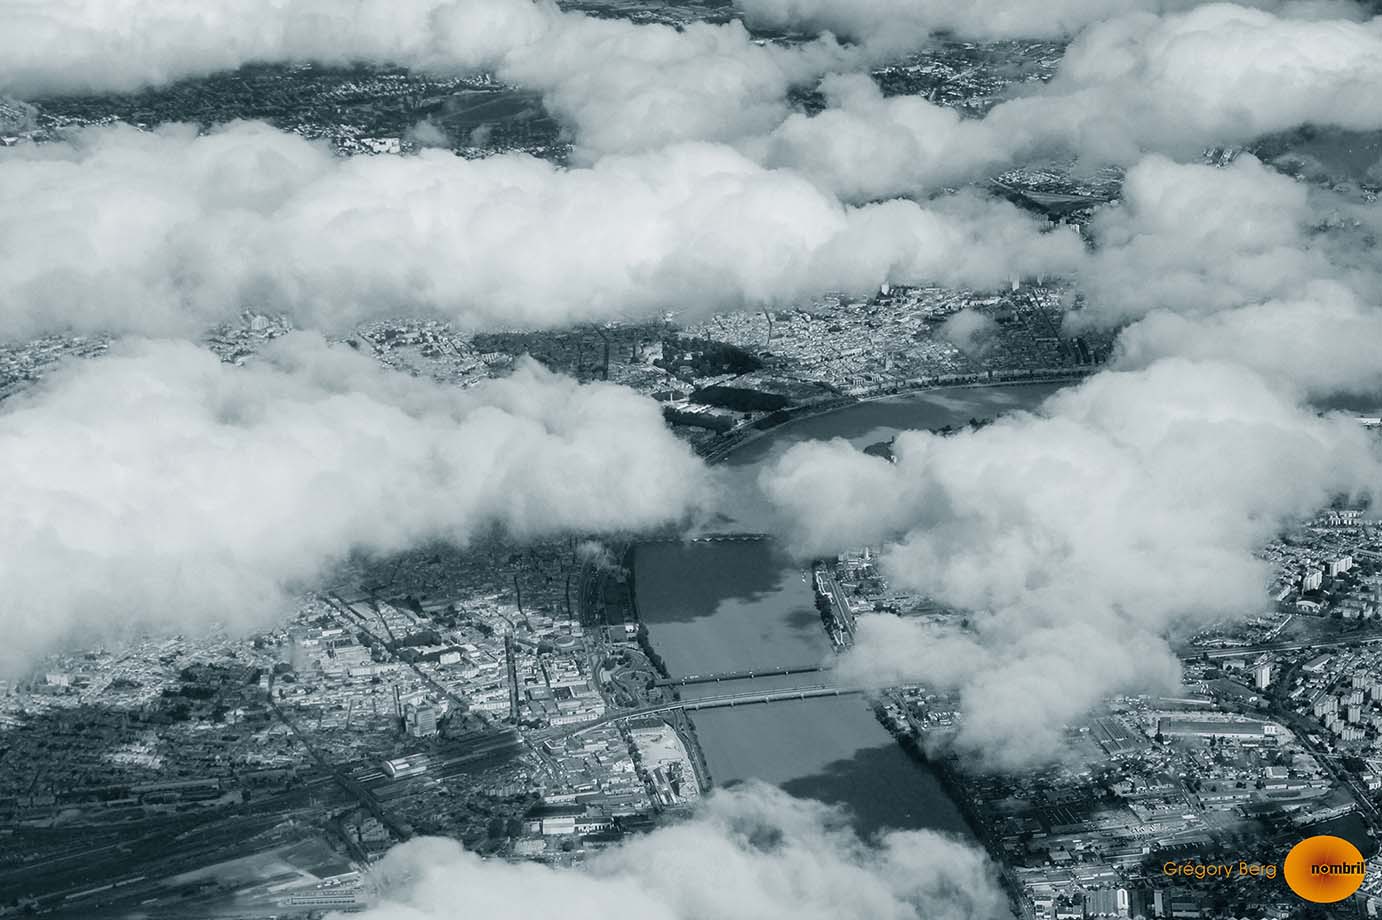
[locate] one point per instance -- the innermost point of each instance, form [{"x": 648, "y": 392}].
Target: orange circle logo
[{"x": 1324, "y": 869}]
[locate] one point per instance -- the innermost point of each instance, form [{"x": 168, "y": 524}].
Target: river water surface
[{"x": 729, "y": 606}]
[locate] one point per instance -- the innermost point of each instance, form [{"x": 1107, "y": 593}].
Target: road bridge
[
  {"x": 711, "y": 538},
  {"x": 722, "y": 701},
  {"x": 750, "y": 674}
]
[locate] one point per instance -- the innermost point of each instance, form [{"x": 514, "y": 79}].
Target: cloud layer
[
  {"x": 59, "y": 46},
  {"x": 1217, "y": 74},
  {"x": 864, "y": 147},
  {"x": 1239, "y": 263},
  {"x": 160, "y": 488},
  {"x": 1135, "y": 502},
  {"x": 905, "y": 22},
  {"x": 1278, "y": 338},
  {"x": 623, "y": 88},
  {"x": 1123, "y": 507},
  {"x": 619, "y": 86},
  {"x": 1143, "y": 74},
  {"x": 771, "y": 857},
  {"x": 1197, "y": 239},
  {"x": 168, "y": 231}
]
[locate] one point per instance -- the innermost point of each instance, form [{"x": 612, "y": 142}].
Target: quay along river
[{"x": 725, "y": 606}]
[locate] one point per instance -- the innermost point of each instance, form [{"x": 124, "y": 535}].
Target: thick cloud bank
[
  {"x": 1142, "y": 73},
  {"x": 1135, "y": 501},
  {"x": 748, "y": 854},
  {"x": 1278, "y": 338},
  {"x": 1218, "y": 74},
  {"x": 158, "y": 487},
  {"x": 864, "y": 147},
  {"x": 619, "y": 86},
  {"x": 624, "y": 88},
  {"x": 1122, "y": 507},
  {"x": 50, "y": 46},
  {"x": 167, "y": 231},
  {"x": 1197, "y": 239},
  {"x": 904, "y": 22},
  {"x": 1239, "y": 263}
]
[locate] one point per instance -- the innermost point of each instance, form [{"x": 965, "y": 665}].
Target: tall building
[
  {"x": 422, "y": 721},
  {"x": 1264, "y": 675}
]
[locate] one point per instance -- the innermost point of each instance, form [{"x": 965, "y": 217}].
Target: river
[{"x": 728, "y": 606}]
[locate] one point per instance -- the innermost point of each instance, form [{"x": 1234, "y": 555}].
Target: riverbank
[
  {"x": 679, "y": 721},
  {"x": 686, "y": 728},
  {"x": 947, "y": 769},
  {"x": 952, "y": 778}
]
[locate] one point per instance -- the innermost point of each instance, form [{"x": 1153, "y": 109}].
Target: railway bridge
[{"x": 750, "y": 674}]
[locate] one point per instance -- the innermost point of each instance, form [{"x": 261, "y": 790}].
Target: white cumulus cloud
[
  {"x": 1239, "y": 263},
  {"x": 1175, "y": 83},
  {"x": 907, "y": 22},
  {"x": 160, "y": 488},
  {"x": 1123, "y": 507},
  {"x": 619, "y": 86},
  {"x": 1325, "y": 339},
  {"x": 167, "y": 231},
  {"x": 752, "y": 853}
]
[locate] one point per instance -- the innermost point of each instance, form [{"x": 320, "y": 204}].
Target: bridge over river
[
  {"x": 751, "y": 674},
  {"x": 753, "y": 537},
  {"x": 722, "y": 701}
]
